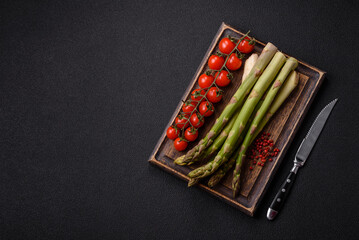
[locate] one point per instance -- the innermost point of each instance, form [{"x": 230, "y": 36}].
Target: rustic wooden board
[{"x": 282, "y": 127}]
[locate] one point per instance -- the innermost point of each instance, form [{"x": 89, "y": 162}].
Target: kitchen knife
[{"x": 302, "y": 155}]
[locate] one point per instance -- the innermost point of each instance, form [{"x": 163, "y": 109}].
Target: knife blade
[{"x": 300, "y": 158}]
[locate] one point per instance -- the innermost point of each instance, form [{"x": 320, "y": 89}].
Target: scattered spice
[{"x": 262, "y": 150}]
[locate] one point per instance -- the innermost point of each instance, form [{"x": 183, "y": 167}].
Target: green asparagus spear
[
  {"x": 232, "y": 140},
  {"x": 222, "y": 171},
  {"x": 252, "y": 133},
  {"x": 288, "y": 86},
  {"x": 236, "y": 101}
]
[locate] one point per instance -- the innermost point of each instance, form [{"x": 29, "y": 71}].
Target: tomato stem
[{"x": 252, "y": 41}]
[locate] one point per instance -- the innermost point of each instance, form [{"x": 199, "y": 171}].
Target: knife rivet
[
  {"x": 278, "y": 200},
  {"x": 283, "y": 190},
  {"x": 288, "y": 180}
]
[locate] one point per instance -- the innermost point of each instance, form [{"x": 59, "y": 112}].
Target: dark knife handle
[{"x": 282, "y": 194}]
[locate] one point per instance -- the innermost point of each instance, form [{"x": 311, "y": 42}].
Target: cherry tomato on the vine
[
  {"x": 246, "y": 45},
  {"x": 234, "y": 62},
  {"x": 180, "y": 144},
  {"x": 206, "y": 109},
  {"x": 215, "y": 62},
  {"x": 196, "y": 121},
  {"x": 226, "y": 45},
  {"x": 191, "y": 134},
  {"x": 197, "y": 94},
  {"x": 188, "y": 107},
  {"x": 181, "y": 122},
  {"x": 214, "y": 94},
  {"x": 172, "y": 132},
  {"x": 223, "y": 78},
  {"x": 205, "y": 80}
]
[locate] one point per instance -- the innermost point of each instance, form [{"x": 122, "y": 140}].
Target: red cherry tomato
[
  {"x": 206, "y": 109},
  {"x": 181, "y": 122},
  {"x": 197, "y": 94},
  {"x": 234, "y": 62},
  {"x": 205, "y": 81},
  {"x": 188, "y": 107},
  {"x": 214, "y": 94},
  {"x": 172, "y": 132},
  {"x": 196, "y": 121},
  {"x": 246, "y": 45},
  {"x": 191, "y": 134},
  {"x": 215, "y": 62},
  {"x": 222, "y": 80},
  {"x": 226, "y": 45},
  {"x": 180, "y": 144}
]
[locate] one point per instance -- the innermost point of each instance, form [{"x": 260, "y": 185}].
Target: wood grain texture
[{"x": 282, "y": 127}]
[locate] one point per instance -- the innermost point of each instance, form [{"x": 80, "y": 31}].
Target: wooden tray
[{"x": 282, "y": 127}]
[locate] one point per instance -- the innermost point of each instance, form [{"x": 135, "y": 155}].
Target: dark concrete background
[{"x": 87, "y": 88}]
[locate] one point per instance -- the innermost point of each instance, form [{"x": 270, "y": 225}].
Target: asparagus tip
[
  {"x": 179, "y": 160},
  {"x": 192, "y": 182},
  {"x": 210, "y": 183}
]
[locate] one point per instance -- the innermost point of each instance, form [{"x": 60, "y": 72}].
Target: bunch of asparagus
[{"x": 256, "y": 100}]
